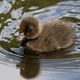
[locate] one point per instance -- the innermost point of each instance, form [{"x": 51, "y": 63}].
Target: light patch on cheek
[{"x": 20, "y": 37}]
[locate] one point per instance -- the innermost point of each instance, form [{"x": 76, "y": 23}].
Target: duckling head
[{"x": 29, "y": 27}]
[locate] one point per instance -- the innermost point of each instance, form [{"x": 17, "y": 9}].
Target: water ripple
[{"x": 5, "y": 6}]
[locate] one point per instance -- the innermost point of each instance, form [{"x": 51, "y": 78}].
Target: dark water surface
[{"x": 58, "y": 65}]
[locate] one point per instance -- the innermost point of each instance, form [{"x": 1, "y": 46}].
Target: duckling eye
[{"x": 29, "y": 29}]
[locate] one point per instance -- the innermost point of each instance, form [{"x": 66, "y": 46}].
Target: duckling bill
[{"x": 46, "y": 36}]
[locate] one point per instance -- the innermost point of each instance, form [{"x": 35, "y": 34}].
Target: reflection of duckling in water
[
  {"x": 46, "y": 36},
  {"x": 29, "y": 67}
]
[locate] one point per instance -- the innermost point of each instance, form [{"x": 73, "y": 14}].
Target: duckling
[{"x": 48, "y": 35}]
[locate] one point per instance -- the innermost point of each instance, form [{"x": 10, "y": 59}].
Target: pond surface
[{"x": 59, "y": 65}]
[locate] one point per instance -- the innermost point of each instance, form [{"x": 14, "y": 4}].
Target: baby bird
[{"x": 46, "y": 36}]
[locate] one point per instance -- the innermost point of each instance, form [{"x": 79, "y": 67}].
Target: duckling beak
[{"x": 20, "y": 37}]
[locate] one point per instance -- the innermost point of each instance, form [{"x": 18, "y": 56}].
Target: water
[{"x": 58, "y": 65}]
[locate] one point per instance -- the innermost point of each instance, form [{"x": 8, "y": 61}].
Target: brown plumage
[{"x": 47, "y": 36}]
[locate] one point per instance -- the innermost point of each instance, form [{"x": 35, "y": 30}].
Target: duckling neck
[{"x": 40, "y": 27}]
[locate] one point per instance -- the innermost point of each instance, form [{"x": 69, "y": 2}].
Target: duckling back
[{"x": 60, "y": 33}]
